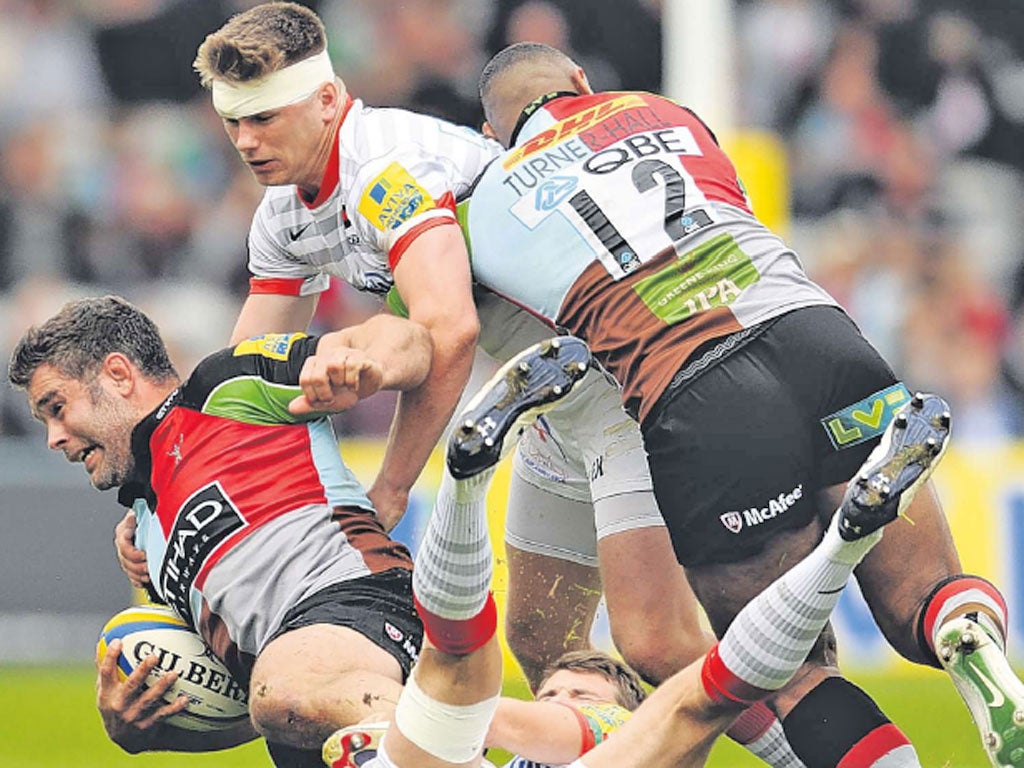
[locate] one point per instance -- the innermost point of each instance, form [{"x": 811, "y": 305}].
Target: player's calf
[{"x": 526, "y": 386}]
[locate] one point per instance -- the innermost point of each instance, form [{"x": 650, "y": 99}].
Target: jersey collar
[
  {"x": 332, "y": 172},
  {"x": 530, "y": 109},
  {"x": 137, "y": 485}
]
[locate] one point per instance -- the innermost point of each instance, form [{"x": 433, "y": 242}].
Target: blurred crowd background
[{"x": 903, "y": 123}]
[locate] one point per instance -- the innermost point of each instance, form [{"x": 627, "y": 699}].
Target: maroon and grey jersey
[
  {"x": 618, "y": 218},
  {"x": 391, "y": 176},
  {"x": 243, "y": 509}
]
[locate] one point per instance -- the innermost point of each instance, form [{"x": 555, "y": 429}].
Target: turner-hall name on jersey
[{"x": 600, "y": 158}]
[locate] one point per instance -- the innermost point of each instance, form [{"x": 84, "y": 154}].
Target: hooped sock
[
  {"x": 956, "y": 596},
  {"x": 453, "y": 569},
  {"x": 837, "y": 725},
  {"x": 771, "y": 637}
]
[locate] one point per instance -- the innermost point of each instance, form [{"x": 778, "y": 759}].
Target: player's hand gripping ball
[{"x": 216, "y": 701}]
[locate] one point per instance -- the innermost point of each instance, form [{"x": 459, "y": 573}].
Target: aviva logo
[
  {"x": 273, "y": 345},
  {"x": 866, "y": 419}
]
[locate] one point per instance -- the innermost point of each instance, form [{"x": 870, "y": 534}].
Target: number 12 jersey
[{"x": 617, "y": 217}]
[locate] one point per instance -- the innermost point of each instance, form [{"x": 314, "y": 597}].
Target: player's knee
[
  {"x": 268, "y": 712},
  {"x": 279, "y": 713}
]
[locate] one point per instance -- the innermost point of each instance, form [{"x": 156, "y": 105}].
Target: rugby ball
[{"x": 216, "y": 701}]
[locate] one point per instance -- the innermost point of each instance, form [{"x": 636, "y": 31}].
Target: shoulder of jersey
[{"x": 397, "y": 124}]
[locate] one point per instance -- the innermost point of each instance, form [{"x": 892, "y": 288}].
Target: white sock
[
  {"x": 773, "y": 747},
  {"x": 771, "y": 637},
  {"x": 453, "y": 568}
]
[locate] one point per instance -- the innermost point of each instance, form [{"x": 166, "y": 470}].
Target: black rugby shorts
[
  {"x": 378, "y": 606},
  {"x": 739, "y": 452}
]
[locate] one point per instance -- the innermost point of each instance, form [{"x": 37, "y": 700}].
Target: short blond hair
[{"x": 259, "y": 41}]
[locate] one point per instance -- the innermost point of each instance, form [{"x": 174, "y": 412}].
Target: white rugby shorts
[{"x": 579, "y": 474}]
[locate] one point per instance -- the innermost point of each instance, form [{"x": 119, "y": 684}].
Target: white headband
[{"x": 289, "y": 85}]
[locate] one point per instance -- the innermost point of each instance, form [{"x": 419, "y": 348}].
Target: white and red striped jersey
[{"x": 391, "y": 176}]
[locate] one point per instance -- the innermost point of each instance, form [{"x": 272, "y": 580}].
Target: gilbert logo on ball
[{"x": 216, "y": 701}]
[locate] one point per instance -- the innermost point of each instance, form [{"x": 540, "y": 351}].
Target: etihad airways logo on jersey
[
  {"x": 735, "y": 521},
  {"x": 571, "y": 126},
  {"x": 394, "y": 197},
  {"x": 204, "y": 521}
]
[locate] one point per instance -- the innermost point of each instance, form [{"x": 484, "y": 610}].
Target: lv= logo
[{"x": 866, "y": 419}]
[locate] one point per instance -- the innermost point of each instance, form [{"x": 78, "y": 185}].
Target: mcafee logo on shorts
[{"x": 733, "y": 521}]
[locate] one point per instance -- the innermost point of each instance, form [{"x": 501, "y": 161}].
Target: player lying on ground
[
  {"x": 445, "y": 711},
  {"x": 582, "y": 697}
]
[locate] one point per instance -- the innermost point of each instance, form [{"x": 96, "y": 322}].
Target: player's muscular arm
[
  {"x": 272, "y": 313},
  {"x": 433, "y": 279},
  {"x": 517, "y": 723},
  {"x": 133, "y": 714}
]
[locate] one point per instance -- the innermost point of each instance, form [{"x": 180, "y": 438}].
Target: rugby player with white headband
[
  {"x": 367, "y": 195},
  {"x": 295, "y": 83},
  {"x": 364, "y": 194}
]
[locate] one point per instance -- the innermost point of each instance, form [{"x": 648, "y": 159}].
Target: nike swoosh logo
[
  {"x": 296, "y": 234},
  {"x": 831, "y": 591},
  {"x": 997, "y": 696}
]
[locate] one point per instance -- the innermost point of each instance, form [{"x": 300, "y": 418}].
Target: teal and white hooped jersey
[{"x": 618, "y": 218}]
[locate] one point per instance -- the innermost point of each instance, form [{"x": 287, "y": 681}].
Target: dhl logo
[{"x": 571, "y": 126}]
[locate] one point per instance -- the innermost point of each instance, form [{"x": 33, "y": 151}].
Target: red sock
[
  {"x": 460, "y": 636},
  {"x": 722, "y": 685}
]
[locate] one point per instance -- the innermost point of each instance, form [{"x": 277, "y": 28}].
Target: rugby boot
[
  {"x": 353, "y": 746},
  {"x": 993, "y": 693},
  {"x": 910, "y": 448},
  {"x": 526, "y": 386}
]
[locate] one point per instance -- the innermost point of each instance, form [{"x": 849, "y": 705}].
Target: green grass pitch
[{"x": 48, "y": 720}]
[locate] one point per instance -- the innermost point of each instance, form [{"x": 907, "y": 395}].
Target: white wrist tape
[
  {"x": 279, "y": 89},
  {"x": 446, "y": 731}
]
